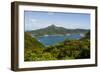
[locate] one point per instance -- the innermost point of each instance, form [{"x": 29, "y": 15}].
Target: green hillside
[
  {"x": 32, "y": 43},
  {"x": 87, "y": 36},
  {"x": 34, "y": 50},
  {"x": 68, "y": 49},
  {"x": 53, "y": 30},
  {"x": 32, "y": 46}
]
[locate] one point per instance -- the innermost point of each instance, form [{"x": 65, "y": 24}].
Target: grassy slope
[{"x": 32, "y": 43}]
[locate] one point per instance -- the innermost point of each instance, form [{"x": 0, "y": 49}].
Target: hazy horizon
[
  {"x": 38, "y": 20},
  {"x": 56, "y": 26}
]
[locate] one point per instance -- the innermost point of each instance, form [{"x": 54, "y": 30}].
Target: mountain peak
[
  {"x": 53, "y": 29},
  {"x": 52, "y": 25}
]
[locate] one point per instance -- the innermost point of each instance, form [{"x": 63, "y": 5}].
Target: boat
[
  {"x": 82, "y": 35},
  {"x": 46, "y": 35},
  {"x": 68, "y": 34}
]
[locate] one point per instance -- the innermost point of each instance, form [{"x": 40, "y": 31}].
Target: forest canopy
[{"x": 68, "y": 49}]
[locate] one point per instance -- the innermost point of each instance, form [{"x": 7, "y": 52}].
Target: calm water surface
[{"x": 54, "y": 39}]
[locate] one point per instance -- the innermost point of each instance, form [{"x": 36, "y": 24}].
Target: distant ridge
[{"x": 53, "y": 30}]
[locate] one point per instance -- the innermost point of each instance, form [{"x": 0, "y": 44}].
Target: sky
[{"x": 35, "y": 20}]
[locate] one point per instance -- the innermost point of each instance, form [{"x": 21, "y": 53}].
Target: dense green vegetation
[
  {"x": 56, "y": 30},
  {"x": 68, "y": 49},
  {"x": 34, "y": 50}
]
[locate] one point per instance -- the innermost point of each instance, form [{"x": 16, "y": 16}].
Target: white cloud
[{"x": 33, "y": 20}]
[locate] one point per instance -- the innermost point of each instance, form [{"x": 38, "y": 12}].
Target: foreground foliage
[{"x": 68, "y": 49}]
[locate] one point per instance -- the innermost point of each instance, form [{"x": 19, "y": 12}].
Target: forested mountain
[{"x": 53, "y": 30}]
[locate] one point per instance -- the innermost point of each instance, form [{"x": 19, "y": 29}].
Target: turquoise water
[{"x": 54, "y": 39}]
